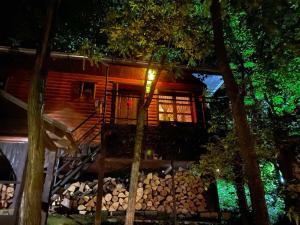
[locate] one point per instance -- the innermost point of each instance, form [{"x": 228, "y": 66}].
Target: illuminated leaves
[{"x": 137, "y": 29}]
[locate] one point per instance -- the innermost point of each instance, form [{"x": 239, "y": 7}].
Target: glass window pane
[
  {"x": 165, "y": 99},
  {"x": 182, "y": 100},
  {"x": 183, "y": 109},
  {"x": 166, "y": 108},
  {"x": 166, "y": 117},
  {"x": 184, "y": 118}
]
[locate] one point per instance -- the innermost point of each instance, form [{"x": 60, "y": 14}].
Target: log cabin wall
[{"x": 65, "y": 102}]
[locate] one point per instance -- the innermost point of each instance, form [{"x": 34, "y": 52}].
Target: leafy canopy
[{"x": 139, "y": 29}]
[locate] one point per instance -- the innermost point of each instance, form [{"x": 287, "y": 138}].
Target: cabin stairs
[{"x": 69, "y": 165}]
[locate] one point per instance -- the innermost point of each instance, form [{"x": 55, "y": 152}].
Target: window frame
[
  {"x": 125, "y": 92},
  {"x": 174, "y": 106},
  {"x": 82, "y": 89}
]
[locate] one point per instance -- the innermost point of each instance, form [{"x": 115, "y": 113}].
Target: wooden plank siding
[{"x": 60, "y": 103}]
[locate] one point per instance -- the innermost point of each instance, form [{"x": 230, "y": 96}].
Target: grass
[{"x": 69, "y": 220}]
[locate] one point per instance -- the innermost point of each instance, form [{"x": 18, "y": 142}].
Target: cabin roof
[
  {"x": 104, "y": 60},
  {"x": 64, "y": 62}
]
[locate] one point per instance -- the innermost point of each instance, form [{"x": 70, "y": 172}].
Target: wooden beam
[
  {"x": 13, "y": 99},
  {"x": 50, "y": 124},
  {"x": 115, "y": 164},
  {"x": 14, "y": 139},
  {"x": 23, "y": 105},
  {"x": 49, "y": 143}
]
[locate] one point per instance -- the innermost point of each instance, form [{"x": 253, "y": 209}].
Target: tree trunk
[
  {"x": 242, "y": 202},
  {"x": 143, "y": 107},
  {"x": 134, "y": 176},
  {"x": 245, "y": 137},
  {"x": 32, "y": 196},
  {"x": 240, "y": 191}
]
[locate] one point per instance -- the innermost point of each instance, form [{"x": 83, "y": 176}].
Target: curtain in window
[
  {"x": 166, "y": 108},
  {"x": 183, "y": 109}
]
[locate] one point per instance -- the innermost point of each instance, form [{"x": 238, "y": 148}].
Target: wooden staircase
[{"x": 74, "y": 150}]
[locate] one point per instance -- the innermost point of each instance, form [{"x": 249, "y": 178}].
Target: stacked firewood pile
[
  {"x": 154, "y": 193},
  {"x": 6, "y": 195}
]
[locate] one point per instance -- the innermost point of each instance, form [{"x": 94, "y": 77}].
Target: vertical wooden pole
[
  {"x": 47, "y": 186},
  {"x": 101, "y": 169},
  {"x": 101, "y": 162},
  {"x": 173, "y": 193}
]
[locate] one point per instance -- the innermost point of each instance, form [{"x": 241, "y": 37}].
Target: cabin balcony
[
  {"x": 175, "y": 126},
  {"x": 166, "y": 141}
]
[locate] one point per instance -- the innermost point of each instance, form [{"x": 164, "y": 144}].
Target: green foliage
[
  {"x": 223, "y": 155},
  {"x": 275, "y": 202},
  {"x": 91, "y": 51},
  {"x": 279, "y": 87},
  {"x": 264, "y": 65},
  {"x": 138, "y": 29},
  {"x": 219, "y": 158},
  {"x": 274, "y": 199},
  {"x": 227, "y": 196}
]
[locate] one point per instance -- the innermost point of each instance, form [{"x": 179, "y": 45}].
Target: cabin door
[{"x": 127, "y": 105}]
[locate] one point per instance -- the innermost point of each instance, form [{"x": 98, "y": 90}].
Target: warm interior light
[{"x": 151, "y": 75}]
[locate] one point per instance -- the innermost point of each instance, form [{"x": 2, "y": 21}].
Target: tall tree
[
  {"x": 244, "y": 134},
  {"x": 152, "y": 31},
  {"x": 273, "y": 80},
  {"x": 32, "y": 196}
]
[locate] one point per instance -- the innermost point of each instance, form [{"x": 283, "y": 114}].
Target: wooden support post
[
  {"x": 47, "y": 186},
  {"x": 101, "y": 163},
  {"x": 173, "y": 193},
  {"x": 101, "y": 168}
]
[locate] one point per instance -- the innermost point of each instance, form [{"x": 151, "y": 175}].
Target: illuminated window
[{"x": 174, "y": 108}]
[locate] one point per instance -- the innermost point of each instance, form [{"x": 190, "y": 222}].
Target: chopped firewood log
[
  {"x": 153, "y": 193},
  {"x": 81, "y": 207},
  {"x": 108, "y": 197}
]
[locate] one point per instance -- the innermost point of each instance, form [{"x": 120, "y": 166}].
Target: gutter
[{"x": 104, "y": 60}]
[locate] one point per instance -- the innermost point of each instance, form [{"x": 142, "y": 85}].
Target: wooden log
[
  {"x": 81, "y": 207},
  {"x": 66, "y": 203},
  {"x": 146, "y": 181},
  {"x": 125, "y": 205},
  {"x": 114, "y": 206},
  {"x": 115, "y": 199},
  {"x": 115, "y": 192},
  {"x": 81, "y": 188},
  {"x": 138, "y": 206},
  {"x": 82, "y": 212},
  {"x": 168, "y": 176},
  {"x": 121, "y": 201},
  {"x": 90, "y": 203},
  {"x": 121, "y": 195},
  {"x": 108, "y": 197},
  {"x": 169, "y": 198},
  {"x": 149, "y": 203},
  {"x": 149, "y": 176}
]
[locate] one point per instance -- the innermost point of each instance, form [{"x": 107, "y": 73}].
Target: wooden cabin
[
  {"x": 77, "y": 94},
  {"x": 81, "y": 99}
]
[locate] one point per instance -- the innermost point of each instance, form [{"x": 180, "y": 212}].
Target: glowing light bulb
[{"x": 151, "y": 75}]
